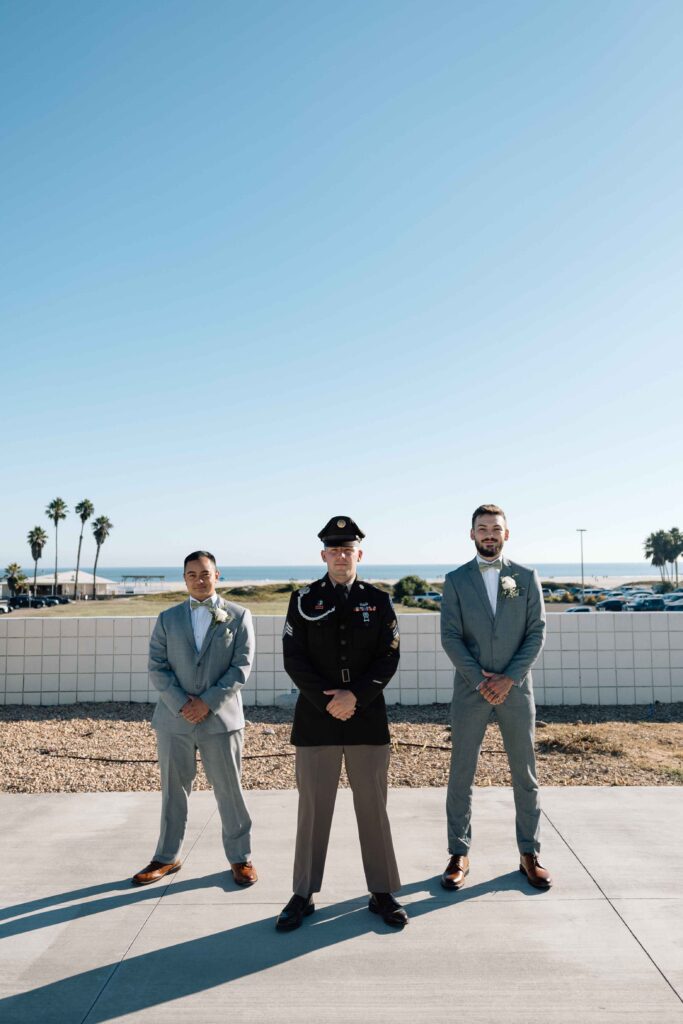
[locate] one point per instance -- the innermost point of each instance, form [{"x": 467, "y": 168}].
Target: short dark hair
[
  {"x": 487, "y": 510},
  {"x": 194, "y": 555}
]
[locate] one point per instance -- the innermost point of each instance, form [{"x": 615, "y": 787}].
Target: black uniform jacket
[{"x": 327, "y": 648}]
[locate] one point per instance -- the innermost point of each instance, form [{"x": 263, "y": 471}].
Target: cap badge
[{"x": 341, "y": 523}]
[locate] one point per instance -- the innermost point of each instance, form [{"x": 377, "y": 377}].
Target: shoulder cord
[{"x": 313, "y": 618}]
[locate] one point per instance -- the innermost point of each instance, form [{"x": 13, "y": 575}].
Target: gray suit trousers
[
  {"x": 221, "y": 754},
  {"x": 317, "y": 776},
  {"x": 516, "y": 716}
]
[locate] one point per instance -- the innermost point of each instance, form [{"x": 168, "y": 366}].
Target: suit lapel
[
  {"x": 500, "y": 599},
  {"x": 212, "y": 631},
  {"x": 186, "y": 616},
  {"x": 480, "y": 588},
  {"x": 210, "y": 634}
]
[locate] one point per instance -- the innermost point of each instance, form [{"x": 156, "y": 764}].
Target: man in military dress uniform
[{"x": 341, "y": 648}]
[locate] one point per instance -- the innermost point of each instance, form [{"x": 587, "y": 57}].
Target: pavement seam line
[
  {"x": 145, "y": 922},
  {"x": 611, "y": 904}
]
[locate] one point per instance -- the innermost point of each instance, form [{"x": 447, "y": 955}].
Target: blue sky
[{"x": 265, "y": 263}]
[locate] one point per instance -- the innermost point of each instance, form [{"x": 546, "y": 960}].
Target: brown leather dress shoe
[
  {"x": 536, "y": 874},
  {"x": 244, "y": 873},
  {"x": 457, "y": 869},
  {"x": 154, "y": 871}
]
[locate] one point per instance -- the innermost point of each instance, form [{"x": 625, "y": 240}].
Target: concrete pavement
[{"x": 80, "y": 945}]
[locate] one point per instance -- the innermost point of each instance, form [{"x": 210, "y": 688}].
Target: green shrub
[{"x": 409, "y": 585}]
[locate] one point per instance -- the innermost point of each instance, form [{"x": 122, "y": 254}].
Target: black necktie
[{"x": 341, "y": 594}]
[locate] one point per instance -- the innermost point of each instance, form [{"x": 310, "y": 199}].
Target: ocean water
[{"x": 282, "y": 573}]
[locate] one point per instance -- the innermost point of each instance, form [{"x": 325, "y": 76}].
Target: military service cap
[{"x": 340, "y": 530}]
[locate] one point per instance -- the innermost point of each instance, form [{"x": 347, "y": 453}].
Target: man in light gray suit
[
  {"x": 492, "y": 629},
  {"x": 200, "y": 655}
]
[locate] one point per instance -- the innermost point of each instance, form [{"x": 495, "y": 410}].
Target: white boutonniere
[
  {"x": 221, "y": 616},
  {"x": 508, "y": 586}
]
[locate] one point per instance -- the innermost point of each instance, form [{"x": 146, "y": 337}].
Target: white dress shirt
[
  {"x": 490, "y": 578},
  {"x": 201, "y": 620}
]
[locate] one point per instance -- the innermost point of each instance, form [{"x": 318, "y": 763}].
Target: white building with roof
[{"x": 65, "y": 584}]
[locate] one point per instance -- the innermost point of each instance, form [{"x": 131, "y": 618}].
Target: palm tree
[
  {"x": 676, "y": 547},
  {"x": 657, "y": 549},
  {"x": 56, "y": 511},
  {"x": 37, "y": 539},
  {"x": 84, "y": 510},
  {"x": 100, "y": 529},
  {"x": 15, "y": 578}
]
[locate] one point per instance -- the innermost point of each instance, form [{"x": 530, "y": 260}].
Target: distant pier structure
[
  {"x": 141, "y": 579},
  {"x": 135, "y": 584}
]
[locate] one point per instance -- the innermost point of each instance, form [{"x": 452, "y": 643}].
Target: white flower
[
  {"x": 219, "y": 614},
  {"x": 508, "y": 585},
  {"x": 228, "y": 637}
]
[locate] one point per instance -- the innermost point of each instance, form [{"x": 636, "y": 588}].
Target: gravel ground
[{"x": 110, "y": 747}]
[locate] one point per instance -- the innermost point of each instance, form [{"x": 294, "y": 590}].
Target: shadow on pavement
[
  {"x": 187, "y": 968},
  {"x": 50, "y": 913}
]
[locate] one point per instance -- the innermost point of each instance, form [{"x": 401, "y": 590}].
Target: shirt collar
[{"x": 347, "y": 586}]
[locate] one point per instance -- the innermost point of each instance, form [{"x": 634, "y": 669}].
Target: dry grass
[
  {"x": 261, "y": 599},
  {"x": 110, "y": 747}
]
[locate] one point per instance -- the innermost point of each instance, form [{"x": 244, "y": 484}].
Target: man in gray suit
[
  {"x": 200, "y": 655},
  {"x": 492, "y": 629}
]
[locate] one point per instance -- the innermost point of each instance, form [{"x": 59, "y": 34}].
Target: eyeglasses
[{"x": 204, "y": 577}]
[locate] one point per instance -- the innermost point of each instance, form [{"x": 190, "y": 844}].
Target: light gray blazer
[
  {"x": 475, "y": 639},
  {"x": 216, "y": 673}
]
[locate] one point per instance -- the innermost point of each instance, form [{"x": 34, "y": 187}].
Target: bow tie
[
  {"x": 194, "y": 603},
  {"x": 485, "y": 566}
]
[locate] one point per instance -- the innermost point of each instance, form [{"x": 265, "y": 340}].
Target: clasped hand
[
  {"x": 495, "y": 687},
  {"x": 195, "y": 710},
  {"x": 342, "y": 705}
]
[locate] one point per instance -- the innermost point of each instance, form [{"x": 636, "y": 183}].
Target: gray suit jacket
[
  {"x": 216, "y": 673},
  {"x": 475, "y": 639}
]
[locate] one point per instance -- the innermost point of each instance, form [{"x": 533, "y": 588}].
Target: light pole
[{"x": 581, "y": 533}]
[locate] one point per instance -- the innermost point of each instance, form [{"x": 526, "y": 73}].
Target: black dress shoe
[
  {"x": 293, "y": 914},
  {"x": 391, "y": 911}
]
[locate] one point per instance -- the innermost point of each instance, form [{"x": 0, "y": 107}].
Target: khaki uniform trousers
[{"x": 317, "y": 775}]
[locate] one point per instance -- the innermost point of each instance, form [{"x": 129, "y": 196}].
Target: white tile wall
[{"x": 624, "y": 658}]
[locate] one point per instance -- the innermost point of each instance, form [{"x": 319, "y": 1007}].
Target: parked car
[
  {"x": 26, "y": 601},
  {"x": 578, "y": 608},
  {"x": 5, "y": 608},
  {"x": 611, "y": 604},
  {"x": 431, "y": 595},
  {"x": 560, "y": 593},
  {"x": 51, "y": 602},
  {"x": 646, "y": 604},
  {"x": 675, "y": 606}
]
